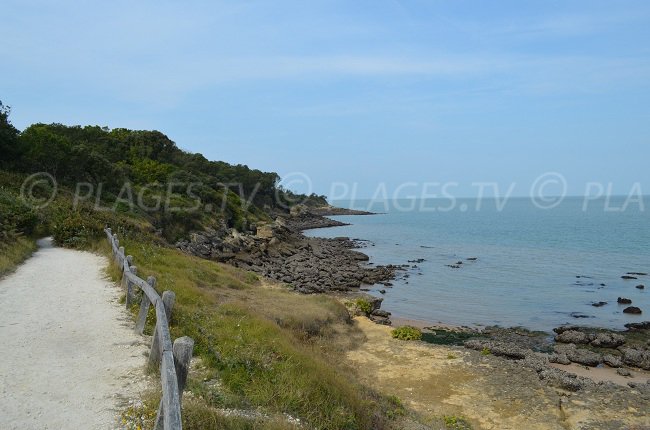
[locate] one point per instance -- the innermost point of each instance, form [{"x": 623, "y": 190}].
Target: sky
[{"x": 344, "y": 98}]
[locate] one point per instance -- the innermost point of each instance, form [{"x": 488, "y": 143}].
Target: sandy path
[{"x": 70, "y": 357}]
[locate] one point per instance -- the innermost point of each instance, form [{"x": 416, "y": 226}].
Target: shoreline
[{"x": 280, "y": 251}]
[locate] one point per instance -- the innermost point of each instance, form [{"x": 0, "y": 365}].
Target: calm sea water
[{"x": 528, "y": 260}]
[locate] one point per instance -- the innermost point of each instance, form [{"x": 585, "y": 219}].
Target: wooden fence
[{"x": 173, "y": 359}]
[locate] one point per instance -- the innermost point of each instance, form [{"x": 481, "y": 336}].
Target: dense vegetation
[{"x": 141, "y": 174}]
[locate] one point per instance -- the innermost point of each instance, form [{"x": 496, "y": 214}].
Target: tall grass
[
  {"x": 269, "y": 348},
  {"x": 14, "y": 253}
]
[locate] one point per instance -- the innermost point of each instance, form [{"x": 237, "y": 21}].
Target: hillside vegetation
[
  {"x": 130, "y": 174},
  {"x": 263, "y": 351}
]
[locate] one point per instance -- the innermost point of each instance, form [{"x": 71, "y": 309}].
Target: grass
[
  {"x": 14, "y": 253},
  {"x": 268, "y": 347}
]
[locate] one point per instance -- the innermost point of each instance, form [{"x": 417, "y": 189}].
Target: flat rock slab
[{"x": 70, "y": 356}]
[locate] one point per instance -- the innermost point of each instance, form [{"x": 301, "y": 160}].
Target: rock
[
  {"x": 645, "y": 325},
  {"x": 579, "y": 315},
  {"x": 637, "y": 273},
  {"x": 561, "y": 329},
  {"x": 572, "y": 336},
  {"x": 623, "y": 371},
  {"x": 636, "y": 357},
  {"x": 582, "y": 356},
  {"x": 561, "y": 379},
  {"x": 632, "y": 310},
  {"x": 629, "y": 277},
  {"x": 472, "y": 258},
  {"x": 612, "y": 360},
  {"x": 382, "y": 291},
  {"x": 608, "y": 340},
  {"x": 559, "y": 358},
  {"x": 380, "y": 320},
  {"x": 380, "y": 313},
  {"x": 624, "y": 301},
  {"x": 501, "y": 349},
  {"x": 640, "y": 287},
  {"x": 598, "y": 304}
]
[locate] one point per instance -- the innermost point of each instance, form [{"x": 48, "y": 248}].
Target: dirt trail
[
  {"x": 489, "y": 392},
  {"x": 70, "y": 357}
]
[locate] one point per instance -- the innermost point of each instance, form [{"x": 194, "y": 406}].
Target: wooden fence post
[
  {"x": 154, "y": 354},
  {"x": 168, "y": 298},
  {"x": 129, "y": 288},
  {"x": 183, "y": 348},
  {"x": 144, "y": 307}
]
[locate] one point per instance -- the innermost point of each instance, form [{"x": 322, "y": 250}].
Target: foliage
[
  {"x": 13, "y": 252},
  {"x": 453, "y": 422},
  {"x": 486, "y": 351},
  {"x": 144, "y": 174},
  {"x": 363, "y": 305},
  {"x": 8, "y": 137},
  {"x": 407, "y": 333}
]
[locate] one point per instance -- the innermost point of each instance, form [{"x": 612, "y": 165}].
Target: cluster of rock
[
  {"x": 568, "y": 351},
  {"x": 279, "y": 251},
  {"x": 539, "y": 362}
]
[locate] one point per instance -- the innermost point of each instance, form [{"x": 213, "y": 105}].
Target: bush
[
  {"x": 407, "y": 333},
  {"x": 364, "y": 306}
]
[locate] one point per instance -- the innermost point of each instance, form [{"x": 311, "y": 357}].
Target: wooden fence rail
[{"x": 174, "y": 359}]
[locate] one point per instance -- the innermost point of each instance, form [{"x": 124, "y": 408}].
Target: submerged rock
[
  {"x": 645, "y": 325},
  {"x": 624, "y": 301},
  {"x": 632, "y": 310}
]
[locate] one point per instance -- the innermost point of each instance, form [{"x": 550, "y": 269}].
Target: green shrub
[
  {"x": 456, "y": 423},
  {"x": 363, "y": 305},
  {"x": 486, "y": 351},
  {"x": 407, "y": 333}
]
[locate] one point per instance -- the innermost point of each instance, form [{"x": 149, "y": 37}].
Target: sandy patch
[{"x": 490, "y": 392}]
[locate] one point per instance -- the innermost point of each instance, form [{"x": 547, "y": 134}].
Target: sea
[{"x": 482, "y": 262}]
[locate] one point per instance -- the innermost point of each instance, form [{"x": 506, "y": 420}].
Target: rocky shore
[
  {"x": 279, "y": 251},
  {"x": 619, "y": 354}
]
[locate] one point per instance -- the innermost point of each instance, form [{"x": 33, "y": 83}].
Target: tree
[{"x": 9, "y": 148}]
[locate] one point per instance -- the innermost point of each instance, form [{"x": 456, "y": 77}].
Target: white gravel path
[{"x": 69, "y": 356}]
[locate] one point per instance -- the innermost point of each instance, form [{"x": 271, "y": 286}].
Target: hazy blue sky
[{"x": 352, "y": 91}]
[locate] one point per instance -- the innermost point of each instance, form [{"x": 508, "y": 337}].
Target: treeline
[{"x": 106, "y": 161}]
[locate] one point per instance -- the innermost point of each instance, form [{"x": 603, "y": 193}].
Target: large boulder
[
  {"x": 608, "y": 340},
  {"x": 612, "y": 360},
  {"x": 579, "y": 355},
  {"x": 573, "y": 336},
  {"x": 636, "y": 357}
]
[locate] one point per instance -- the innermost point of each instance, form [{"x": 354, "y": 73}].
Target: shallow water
[{"x": 528, "y": 260}]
